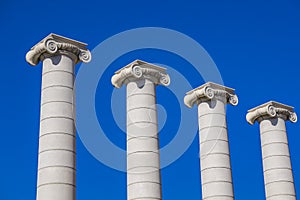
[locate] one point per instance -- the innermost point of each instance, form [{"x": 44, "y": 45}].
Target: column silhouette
[
  {"x": 216, "y": 178},
  {"x": 57, "y": 154},
  {"x": 143, "y": 165},
  {"x": 278, "y": 176}
]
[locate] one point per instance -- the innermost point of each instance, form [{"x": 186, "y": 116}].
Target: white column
[
  {"x": 57, "y": 153},
  {"x": 278, "y": 176},
  {"x": 143, "y": 165},
  {"x": 216, "y": 179}
]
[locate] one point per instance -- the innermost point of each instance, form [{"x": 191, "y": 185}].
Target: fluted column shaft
[
  {"x": 277, "y": 168},
  {"x": 215, "y": 167},
  {"x": 56, "y": 179},
  {"x": 143, "y": 159}
]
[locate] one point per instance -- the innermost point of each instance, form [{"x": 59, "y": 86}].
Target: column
[
  {"x": 215, "y": 167},
  {"x": 57, "y": 153},
  {"x": 278, "y": 176},
  {"x": 143, "y": 164}
]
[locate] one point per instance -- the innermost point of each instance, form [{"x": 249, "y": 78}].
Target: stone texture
[
  {"x": 143, "y": 165},
  {"x": 57, "y": 151},
  {"x": 278, "y": 177},
  {"x": 216, "y": 178}
]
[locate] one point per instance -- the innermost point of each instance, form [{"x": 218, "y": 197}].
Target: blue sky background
[{"x": 255, "y": 44}]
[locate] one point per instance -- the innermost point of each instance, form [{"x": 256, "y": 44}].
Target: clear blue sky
[{"x": 255, "y": 44}]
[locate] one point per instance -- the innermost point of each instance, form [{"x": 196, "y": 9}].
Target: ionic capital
[
  {"x": 138, "y": 70},
  {"x": 271, "y": 109},
  {"x": 54, "y": 45},
  {"x": 210, "y": 91}
]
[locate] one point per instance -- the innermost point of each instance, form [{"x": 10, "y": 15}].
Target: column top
[
  {"x": 55, "y": 44},
  {"x": 209, "y": 91},
  {"x": 271, "y": 109},
  {"x": 138, "y": 70}
]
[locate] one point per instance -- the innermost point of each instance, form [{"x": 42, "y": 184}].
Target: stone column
[
  {"x": 57, "y": 153},
  {"x": 143, "y": 164},
  {"x": 278, "y": 176},
  {"x": 215, "y": 164}
]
